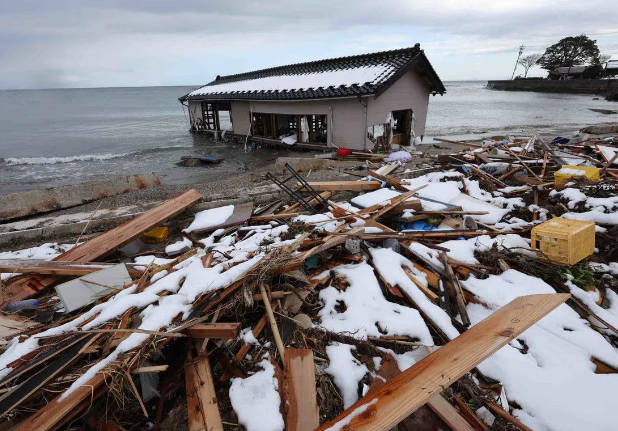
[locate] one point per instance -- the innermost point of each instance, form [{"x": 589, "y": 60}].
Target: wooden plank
[
  {"x": 57, "y": 410},
  {"x": 214, "y": 330},
  {"x": 35, "y": 266},
  {"x": 241, "y": 214},
  {"x": 302, "y": 413},
  {"x": 22, "y": 391},
  {"x": 102, "y": 245},
  {"x": 428, "y": 292},
  {"x": 271, "y": 217},
  {"x": 354, "y": 186},
  {"x": 445, "y": 411},
  {"x": 448, "y": 413},
  {"x": 202, "y": 407},
  {"x": 405, "y": 393},
  {"x": 387, "y": 169}
]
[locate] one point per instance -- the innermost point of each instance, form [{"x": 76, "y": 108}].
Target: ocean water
[{"x": 54, "y": 137}]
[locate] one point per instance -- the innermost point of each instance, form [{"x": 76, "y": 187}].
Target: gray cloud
[{"x": 70, "y": 42}]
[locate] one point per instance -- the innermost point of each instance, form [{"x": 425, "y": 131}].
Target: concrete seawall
[
  {"x": 16, "y": 205},
  {"x": 574, "y": 86}
]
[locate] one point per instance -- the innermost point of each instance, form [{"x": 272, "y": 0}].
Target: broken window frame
[{"x": 274, "y": 126}]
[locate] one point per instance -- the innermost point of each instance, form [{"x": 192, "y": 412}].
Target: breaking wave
[
  {"x": 15, "y": 161},
  {"x": 55, "y": 160}
]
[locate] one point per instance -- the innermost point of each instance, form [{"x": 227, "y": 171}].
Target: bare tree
[{"x": 528, "y": 61}]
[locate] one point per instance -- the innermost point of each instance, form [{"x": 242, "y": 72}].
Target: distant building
[
  {"x": 611, "y": 68},
  {"x": 562, "y": 73},
  {"x": 348, "y": 102}
]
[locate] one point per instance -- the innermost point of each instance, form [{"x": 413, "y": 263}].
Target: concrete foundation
[
  {"x": 68, "y": 227},
  {"x": 17, "y": 205},
  {"x": 305, "y": 164},
  {"x": 573, "y": 86}
]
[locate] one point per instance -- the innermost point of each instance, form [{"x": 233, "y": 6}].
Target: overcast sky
[{"x": 91, "y": 43}]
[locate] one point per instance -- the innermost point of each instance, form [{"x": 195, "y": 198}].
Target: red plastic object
[{"x": 343, "y": 152}]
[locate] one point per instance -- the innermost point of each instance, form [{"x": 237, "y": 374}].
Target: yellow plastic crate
[
  {"x": 567, "y": 172},
  {"x": 564, "y": 241},
  {"x": 156, "y": 235}
]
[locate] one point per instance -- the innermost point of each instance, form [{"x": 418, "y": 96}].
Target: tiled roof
[{"x": 359, "y": 75}]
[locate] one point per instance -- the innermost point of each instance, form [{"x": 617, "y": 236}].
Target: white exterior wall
[
  {"x": 344, "y": 116},
  {"x": 195, "y": 110},
  {"x": 409, "y": 92}
]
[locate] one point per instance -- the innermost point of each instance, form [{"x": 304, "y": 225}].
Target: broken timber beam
[
  {"x": 301, "y": 406},
  {"x": 214, "y": 330},
  {"x": 445, "y": 411},
  {"x": 202, "y": 407},
  {"x": 102, "y": 245},
  {"x": 405, "y": 393},
  {"x": 50, "y": 267}
]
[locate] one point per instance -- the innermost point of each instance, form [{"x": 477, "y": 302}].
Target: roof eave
[
  {"x": 202, "y": 98},
  {"x": 436, "y": 83}
]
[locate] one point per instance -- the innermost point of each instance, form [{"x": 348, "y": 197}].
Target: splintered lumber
[
  {"x": 22, "y": 391},
  {"x": 50, "y": 267},
  {"x": 202, "y": 407},
  {"x": 102, "y": 245},
  {"x": 393, "y": 182},
  {"x": 353, "y": 186},
  {"x": 401, "y": 396},
  {"x": 302, "y": 413},
  {"x": 240, "y": 215},
  {"x": 273, "y": 322},
  {"x": 457, "y": 290},
  {"x": 445, "y": 411},
  {"x": 214, "y": 330},
  {"x": 448, "y": 413},
  {"x": 58, "y": 410},
  {"x": 271, "y": 217}
]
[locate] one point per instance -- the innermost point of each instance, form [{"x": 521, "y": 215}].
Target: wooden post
[
  {"x": 273, "y": 323},
  {"x": 302, "y": 413}
]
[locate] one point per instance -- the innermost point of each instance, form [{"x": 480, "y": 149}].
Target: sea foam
[{"x": 55, "y": 160}]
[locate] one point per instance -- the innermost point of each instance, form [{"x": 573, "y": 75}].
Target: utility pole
[{"x": 521, "y": 49}]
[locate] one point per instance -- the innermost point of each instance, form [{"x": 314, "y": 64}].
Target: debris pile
[{"x": 432, "y": 298}]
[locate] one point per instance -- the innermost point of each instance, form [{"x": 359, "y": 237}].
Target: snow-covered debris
[
  {"x": 367, "y": 312},
  {"x": 547, "y": 370},
  {"x": 346, "y": 370},
  {"x": 256, "y": 400},
  {"x": 209, "y": 218}
]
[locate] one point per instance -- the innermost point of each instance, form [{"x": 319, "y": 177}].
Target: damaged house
[{"x": 357, "y": 102}]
